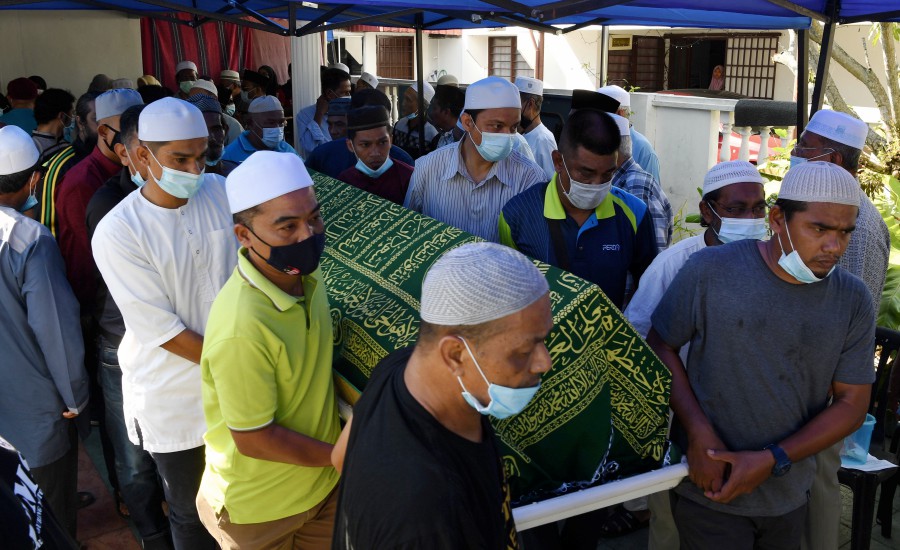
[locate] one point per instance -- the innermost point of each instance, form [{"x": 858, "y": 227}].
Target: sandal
[
  {"x": 85, "y": 499},
  {"x": 121, "y": 508},
  {"x": 621, "y": 522}
]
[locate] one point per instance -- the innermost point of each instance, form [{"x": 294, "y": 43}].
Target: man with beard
[{"x": 215, "y": 123}]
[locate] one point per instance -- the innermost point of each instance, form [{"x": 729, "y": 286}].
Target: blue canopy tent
[{"x": 538, "y": 15}]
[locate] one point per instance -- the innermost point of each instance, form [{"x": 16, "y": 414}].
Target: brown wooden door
[{"x": 395, "y": 57}]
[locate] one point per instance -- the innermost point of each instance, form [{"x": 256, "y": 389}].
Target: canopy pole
[
  {"x": 305, "y": 57},
  {"x": 802, "y": 80},
  {"x": 604, "y": 55},
  {"x": 818, "y": 96},
  {"x": 420, "y": 81}
]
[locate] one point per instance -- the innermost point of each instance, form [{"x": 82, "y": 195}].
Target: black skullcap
[
  {"x": 255, "y": 77},
  {"x": 368, "y": 117},
  {"x": 586, "y": 99}
]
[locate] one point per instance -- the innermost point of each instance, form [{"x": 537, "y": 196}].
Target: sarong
[{"x": 601, "y": 413}]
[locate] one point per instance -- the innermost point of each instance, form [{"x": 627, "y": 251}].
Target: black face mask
[
  {"x": 300, "y": 258},
  {"x": 116, "y": 139}
]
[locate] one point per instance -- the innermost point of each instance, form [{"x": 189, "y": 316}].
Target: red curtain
[{"x": 213, "y": 46}]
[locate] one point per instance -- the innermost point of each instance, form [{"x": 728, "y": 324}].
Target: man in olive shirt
[{"x": 268, "y": 395}]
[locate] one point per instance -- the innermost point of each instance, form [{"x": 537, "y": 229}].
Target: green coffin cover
[{"x": 602, "y": 411}]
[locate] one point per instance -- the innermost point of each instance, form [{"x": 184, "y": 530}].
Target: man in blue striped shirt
[
  {"x": 466, "y": 184},
  {"x": 587, "y": 227}
]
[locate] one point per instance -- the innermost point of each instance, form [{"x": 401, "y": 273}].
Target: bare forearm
[
  {"x": 828, "y": 427},
  {"x": 187, "y": 344},
  {"x": 682, "y": 399},
  {"x": 279, "y": 444}
]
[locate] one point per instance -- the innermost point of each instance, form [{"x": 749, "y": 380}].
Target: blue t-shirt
[
  {"x": 617, "y": 239},
  {"x": 23, "y": 118},
  {"x": 241, "y": 148},
  {"x": 333, "y": 157}
]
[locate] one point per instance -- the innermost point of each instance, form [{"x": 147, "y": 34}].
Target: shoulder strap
[{"x": 559, "y": 244}]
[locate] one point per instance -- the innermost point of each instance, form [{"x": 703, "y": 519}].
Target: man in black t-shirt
[{"x": 422, "y": 467}]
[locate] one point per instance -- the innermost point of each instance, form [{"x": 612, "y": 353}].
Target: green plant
[{"x": 680, "y": 228}]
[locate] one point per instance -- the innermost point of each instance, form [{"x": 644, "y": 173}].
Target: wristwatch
[{"x": 782, "y": 462}]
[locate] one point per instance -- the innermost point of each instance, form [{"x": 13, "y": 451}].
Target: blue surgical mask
[
  {"x": 245, "y": 96},
  {"x": 793, "y": 264},
  {"x": 505, "y": 402},
  {"x": 183, "y": 185},
  {"x": 69, "y": 130},
  {"x": 800, "y": 160},
  {"x": 229, "y": 109},
  {"x": 213, "y": 162},
  {"x": 271, "y": 137},
  {"x": 136, "y": 177},
  {"x": 30, "y": 202},
  {"x": 737, "y": 229},
  {"x": 494, "y": 147},
  {"x": 185, "y": 86},
  {"x": 377, "y": 173}
]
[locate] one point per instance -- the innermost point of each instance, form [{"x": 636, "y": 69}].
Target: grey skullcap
[
  {"x": 479, "y": 282},
  {"x": 820, "y": 182}
]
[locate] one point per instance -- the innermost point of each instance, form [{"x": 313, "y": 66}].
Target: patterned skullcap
[
  {"x": 479, "y": 282},
  {"x": 205, "y": 103},
  {"x": 732, "y": 171}
]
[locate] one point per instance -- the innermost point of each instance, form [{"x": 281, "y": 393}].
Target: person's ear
[
  {"x": 103, "y": 131},
  {"x": 776, "y": 220},
  {"x": 452, "y": 352},
  {"x": 142, "y": 154},
  {"x": 243, "y": 235},
  {"x": 468, "y": 122},
  {"x": 119, "y": 150},
  {"x": 350, "y": 148},
  {"x": 556, "y": 157},
  {"x": 706, "y": 213}
]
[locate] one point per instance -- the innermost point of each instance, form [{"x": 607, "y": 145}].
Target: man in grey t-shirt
[{"x": 773, "y": 327}]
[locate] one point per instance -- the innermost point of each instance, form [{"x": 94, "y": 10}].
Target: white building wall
[{"x": 68, "y": 48}]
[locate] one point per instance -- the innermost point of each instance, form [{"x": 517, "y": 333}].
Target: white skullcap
[
  {"x": 206, "y": 85},
  {"x": 492, "y": 92},
  {"x": 622, "y": 123},
  {"x": 229, "y": 75},
  {"x": 732, "y": 171},
  {"x": 448, "y": 80},
  {"x": 264, "y": 176},
  {"x": 429, "y": 90},
  {"x": 17, "y": 151},
  {"x": 114, "y": 102},
  {"x": 340, "y": 66},
  {"x": 265, "y": 104},
  {"x": 369, "y": 79},
  {"x": 479, "y": 282},
  {"x": 123, "y": 83},
  {"x": 820, "y": 181},
  {"x": 618, "y": 93},
  {"x": 529, "y": 85},
  {"x": 182, "y": 65},
  {"x": 839, "y": 127},
  {"x": 171, "y": 119}
]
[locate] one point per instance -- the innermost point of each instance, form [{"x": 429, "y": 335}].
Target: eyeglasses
[
  {"x": 804, "y": 151},
  {"x": 740, "y": 212}
]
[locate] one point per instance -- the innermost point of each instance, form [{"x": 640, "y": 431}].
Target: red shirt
[
  {"x": 392, "y": 185},
  {"x": 74, "y": 192}
]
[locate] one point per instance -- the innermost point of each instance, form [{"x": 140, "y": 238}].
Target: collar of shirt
[
  {"x": 108, "y": 166},
  {"x": 280, "y": 299},
  {"x": 250, "y": 149},
  {"x": 456, "y": 165},
  {"x": 553, "y": 208},
  {"x": 622, "y": 171}
]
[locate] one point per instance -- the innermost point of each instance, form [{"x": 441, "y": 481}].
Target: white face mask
[
  {"x": 794, "y": 264},
  {"x": 585, "y": 196},
  {"x": 737, "y": 229}
]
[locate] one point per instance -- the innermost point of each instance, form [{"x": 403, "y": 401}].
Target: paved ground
[{"x": 100, "y": 528}]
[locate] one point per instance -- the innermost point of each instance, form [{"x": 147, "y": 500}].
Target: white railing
[
  {"x": 391, "y": 87},
  {"x": 685, "y": 131}
]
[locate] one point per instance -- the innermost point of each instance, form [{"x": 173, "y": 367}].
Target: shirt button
[
  {"x": 580, "y": 248},
  {"x": 198, "y": 252},
  {"x": 190, "y": 232}
]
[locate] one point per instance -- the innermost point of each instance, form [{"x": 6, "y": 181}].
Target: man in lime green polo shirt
[{"x": 268, "y": 395}]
